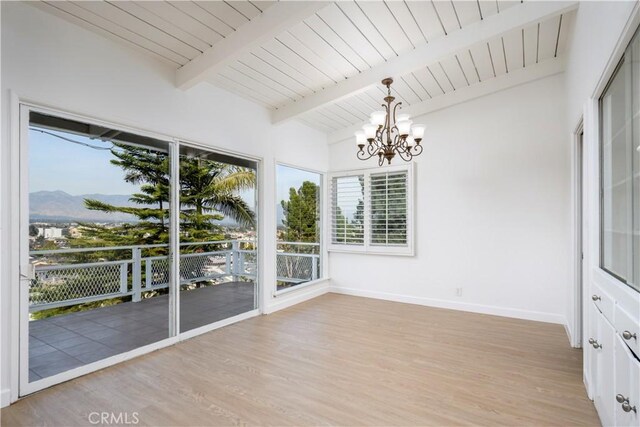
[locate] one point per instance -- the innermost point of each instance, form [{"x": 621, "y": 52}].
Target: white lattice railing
[
  {"x": 297, "y": 262},
  {"x": 63, "y": 284}
]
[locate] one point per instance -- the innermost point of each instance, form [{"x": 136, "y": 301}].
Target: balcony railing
[
  {"x": 60, "y": 283},
  {"x": 297, "y": 262}
]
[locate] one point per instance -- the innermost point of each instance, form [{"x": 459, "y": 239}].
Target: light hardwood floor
[{"x": 339, "y": 360}]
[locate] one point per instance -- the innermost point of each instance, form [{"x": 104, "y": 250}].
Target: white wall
[
  {"x": 492, "y": 218},
  {"x": 53, "y": 62}
]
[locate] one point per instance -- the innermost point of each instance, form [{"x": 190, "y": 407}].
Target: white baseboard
[
  {"x": 294, "y": 297},
  {"x": 455, "y": 305},
  {"x": 5, "y": 397},
  {"x": 567, "y": 329}
]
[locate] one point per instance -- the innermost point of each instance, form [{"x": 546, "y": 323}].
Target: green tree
[
  {"x": 208, "y": 192},
  {"x": 301, "y": 214}
]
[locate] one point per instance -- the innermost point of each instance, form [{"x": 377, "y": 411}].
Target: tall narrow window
[
  {"x": 620, "y": 169},
  {"x": 299, "y": 255}
]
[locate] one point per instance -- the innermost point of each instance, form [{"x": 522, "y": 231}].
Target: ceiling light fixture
[{"x": 388, "y": 134}]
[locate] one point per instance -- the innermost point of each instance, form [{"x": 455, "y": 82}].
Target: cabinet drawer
[
  {"x": 603, "y": 301},
  {"x": 628, "y": 329},
  {"x": 627, "y": 386}
]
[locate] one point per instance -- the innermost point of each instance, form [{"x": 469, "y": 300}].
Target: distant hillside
[
  {"x": 61, "y": 206},
  {"x": 58, "y": 206}
]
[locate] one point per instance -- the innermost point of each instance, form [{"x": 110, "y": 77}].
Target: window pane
[
  {"x": 298, "y": 258},
  {"x": 218, "y": 253},
  {"x": 98, "y": 216},
  {"x": 347, "y": 210},
  {"x": 619, "y": 167},
  {"x": 389, "y": 209}
]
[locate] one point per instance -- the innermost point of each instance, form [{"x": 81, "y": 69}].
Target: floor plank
[{"x": 339, "y": 360}]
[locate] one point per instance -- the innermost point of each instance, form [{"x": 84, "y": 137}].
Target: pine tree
[
  {"x": 301, "y": 214},
  {"x": 208, "y": 192}
]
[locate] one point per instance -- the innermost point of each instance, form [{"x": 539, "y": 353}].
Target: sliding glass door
[
  {"x": 126, "y": 241},
  {"x": 98, "y": 216}
]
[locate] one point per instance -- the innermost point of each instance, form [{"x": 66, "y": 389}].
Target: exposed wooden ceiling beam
[
  {"x": 514, "y": 17},
  {"x": 254, "y": 33},
  {"x": 514, "y": 78}
]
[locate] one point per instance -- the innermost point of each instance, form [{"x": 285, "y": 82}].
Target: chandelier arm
[
  {"x": 362, "y": 155},
  {"x": 404, "y": 154},
  {"x": 398, "y": 105}
]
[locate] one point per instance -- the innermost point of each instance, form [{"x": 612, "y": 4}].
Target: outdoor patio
[{"x": 57, "y": 344}]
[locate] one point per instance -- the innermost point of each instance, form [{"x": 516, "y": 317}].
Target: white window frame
[
  {"x": 367, "y": 247},
  {"x": 324, "y": 268}
]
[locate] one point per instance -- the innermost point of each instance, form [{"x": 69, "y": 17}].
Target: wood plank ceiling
[
  {"x": 174, "y": 31},
  {"x": 339, "y": 41}
]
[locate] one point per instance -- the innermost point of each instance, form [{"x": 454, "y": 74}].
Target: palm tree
[{"x": 209, "y": 190}]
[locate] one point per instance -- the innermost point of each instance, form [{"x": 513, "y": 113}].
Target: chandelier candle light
[{"x": 388, "y": 134}]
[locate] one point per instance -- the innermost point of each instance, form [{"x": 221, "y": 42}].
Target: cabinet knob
[
  {"x": 596, "y": 345},
  {"x": 591, "y": 340},
  {"x": 624, "y": 402},
  {"x": 628, "y": 335},
  {"x": 596, "y": 298}
]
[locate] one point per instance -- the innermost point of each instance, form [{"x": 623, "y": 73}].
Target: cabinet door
[
  {"x": 605, "y": 396},
  {"x": 591, "y": 353},
  {"x": 627, "y": 386}
]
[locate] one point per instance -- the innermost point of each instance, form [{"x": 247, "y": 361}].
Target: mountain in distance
[
  {"x": 61, "y": 206},
  {"x": 58, "y": 206}
]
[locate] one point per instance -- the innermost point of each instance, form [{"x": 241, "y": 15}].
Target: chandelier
[{"x": 387, "y": 134}]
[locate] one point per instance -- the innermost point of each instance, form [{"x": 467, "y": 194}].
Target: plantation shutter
[
  {"x": 347, "y": 210},
  {"x": 388, "y": 209}
]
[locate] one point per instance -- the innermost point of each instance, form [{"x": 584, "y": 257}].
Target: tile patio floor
[{"x": 57, "y": 344}]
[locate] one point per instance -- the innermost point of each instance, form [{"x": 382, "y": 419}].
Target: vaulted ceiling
[{"x": 322, "y": 62}]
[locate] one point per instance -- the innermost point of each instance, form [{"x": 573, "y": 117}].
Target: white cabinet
[
  {"x": 602, "y": 342},
  {"x": 613, "y": 367},
  {"x": 627, "y": 386}
]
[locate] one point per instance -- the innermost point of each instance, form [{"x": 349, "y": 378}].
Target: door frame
[
  {"x": 579, "y": 233},
  {"x": 18, "y": 229}
]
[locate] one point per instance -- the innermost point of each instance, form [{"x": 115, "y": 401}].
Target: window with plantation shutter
[
  {"x": 347, "y": 210},
  {"x": 371, "y": 211},
  {"x": 388, "y": 212}
]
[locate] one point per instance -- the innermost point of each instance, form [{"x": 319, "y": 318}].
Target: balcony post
[
  {"x": 148, "y": 277},
  {"x": 136, "y": 274},
  {"x": 124, "y": 273},
  {"x": 314, "y": 267},
  {"x": 236, "y": 260}
]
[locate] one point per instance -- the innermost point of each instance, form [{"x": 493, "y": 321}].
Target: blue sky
[
  {"x": 287, "y": 177},
  {"x": 56, "y": 164}
]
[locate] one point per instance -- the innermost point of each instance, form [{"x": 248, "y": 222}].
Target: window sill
[
  {"x": 405, "y": 253},
  {"x": 300, "y": 286}
]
